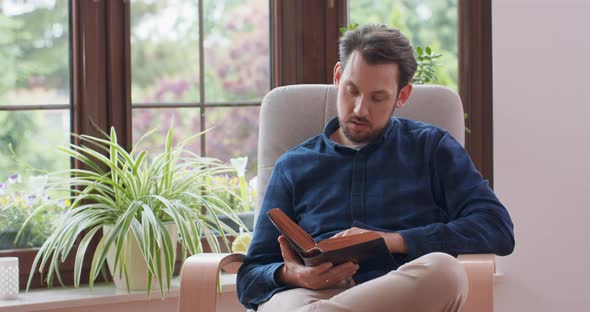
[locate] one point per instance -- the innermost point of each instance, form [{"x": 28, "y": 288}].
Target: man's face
[{"x": 367, "y": 97}]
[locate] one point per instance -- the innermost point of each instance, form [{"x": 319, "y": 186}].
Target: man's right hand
[{"x": 294, "y": 273}]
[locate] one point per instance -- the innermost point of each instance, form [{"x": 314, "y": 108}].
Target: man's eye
[
  {"x": 378, "y": 99},
  {"x": 352, "y": 91}
]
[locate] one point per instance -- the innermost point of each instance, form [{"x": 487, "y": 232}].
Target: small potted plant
[{"x": 139, "y": 205}]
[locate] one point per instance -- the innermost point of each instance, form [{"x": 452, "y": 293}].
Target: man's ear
[
  {"x": 404, "y": 95},
  {"x": 337, "y": 74}
]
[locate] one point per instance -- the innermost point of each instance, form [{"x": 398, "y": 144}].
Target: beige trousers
[{"x": 434, "y": 282}]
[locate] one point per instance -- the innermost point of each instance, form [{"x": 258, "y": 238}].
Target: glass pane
[
  {"x": 237, "y": 62},
  {"x": 164, "y": 51},
  {"x": 186, "y": 123},
  {"x": 234, "y": 134},
  {"x": 29, "y": 140},
  {"x": 430, "y": 23},
  {"x": 34, "y": 49}
]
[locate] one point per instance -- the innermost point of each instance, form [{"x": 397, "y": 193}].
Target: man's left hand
[{"x": 394, "y": 241}]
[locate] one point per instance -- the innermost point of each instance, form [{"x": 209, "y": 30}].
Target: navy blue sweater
[{"x": 414, "y": 179}]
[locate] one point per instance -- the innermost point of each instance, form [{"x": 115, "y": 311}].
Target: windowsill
[{"x": 68, "y": 297}]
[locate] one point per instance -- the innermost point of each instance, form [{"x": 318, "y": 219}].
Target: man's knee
[
  {"x": 288, "y": 300},
  {"x": 446, "y": 271},
  {"x": 292, "y": 299}
]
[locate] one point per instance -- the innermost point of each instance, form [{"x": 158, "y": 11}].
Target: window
[
  {"x": 211, "y": 80},
  {"x": 431, "y": 23},
  {"x": 204, "y": 64},
  {"x": 34, "y": 113}
]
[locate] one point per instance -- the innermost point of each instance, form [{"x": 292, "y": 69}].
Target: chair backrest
[{"x": 292, "y": 114}]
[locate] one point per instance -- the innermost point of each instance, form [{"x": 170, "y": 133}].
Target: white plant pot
[{"x": 133, "y": 259}]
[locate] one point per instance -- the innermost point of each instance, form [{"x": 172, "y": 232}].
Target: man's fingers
[
  {"x": 286, "y": 251},
  {"x": 337, "y": 274},
  {"x": 319, "y": 269},
  {"x": 351, "y": 231},
  {"x": 321, "y": 276},
  {"x": 343, "y": 233},
  {"x": 344, "y": 270}
]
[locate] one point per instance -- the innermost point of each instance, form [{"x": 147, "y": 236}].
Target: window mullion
[
  {"x": 118, "y": 63},
  {"x": 202, "y": 80},
  {"x": 475, "y": 81},
  {"x": 101, "y": 68},
  {"x": 305, "y": 37},
  {"x": 89, "y": 114}
]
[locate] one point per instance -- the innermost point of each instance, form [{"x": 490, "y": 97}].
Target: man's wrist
[
  {"x": 279, "y": 275},
  {"x": 396, "y": 243},
  {"x": 282, "y": 276}
]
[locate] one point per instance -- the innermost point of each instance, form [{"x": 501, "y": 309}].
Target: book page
[{"x": 293, "y": 232}]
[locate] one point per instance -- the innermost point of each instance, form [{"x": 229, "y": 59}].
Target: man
[{"x": 410, "y": 182}]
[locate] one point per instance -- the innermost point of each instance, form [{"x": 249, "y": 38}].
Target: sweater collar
[{"x": 334, "y": 124}]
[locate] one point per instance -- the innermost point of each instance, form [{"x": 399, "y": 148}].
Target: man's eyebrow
[
  {"x": 350, "y": 84},
  {"x": 381, "y": 92}
]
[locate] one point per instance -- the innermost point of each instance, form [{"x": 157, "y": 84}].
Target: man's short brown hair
[{"x": 380, "y": 44}]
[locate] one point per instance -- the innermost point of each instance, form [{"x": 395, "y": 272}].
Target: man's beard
[
  {"x": 366, "y": 138},
  {"x": 369, "y": 137},
  {"x": 360, "y": 138}
]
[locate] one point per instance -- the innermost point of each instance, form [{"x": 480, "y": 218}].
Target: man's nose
[{"x": 360, "y": 107}]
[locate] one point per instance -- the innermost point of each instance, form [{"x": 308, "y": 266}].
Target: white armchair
[{"x": 288, "y": 116}]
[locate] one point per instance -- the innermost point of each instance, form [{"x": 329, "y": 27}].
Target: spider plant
[{"x": 136, "y": 196}]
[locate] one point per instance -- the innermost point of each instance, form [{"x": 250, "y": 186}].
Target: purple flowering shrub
[
  {"x": 233, "y": 131},
  {"x": 241, "y": 60},
  {"x": 237, "y": 68}
]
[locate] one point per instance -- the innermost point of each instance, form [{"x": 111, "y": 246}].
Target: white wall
[{"x": 541, "y": 62}]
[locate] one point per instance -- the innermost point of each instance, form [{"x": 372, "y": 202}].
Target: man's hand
[
  {"x": 394, "y": 241},
  {"x": 325, "y": 275}
]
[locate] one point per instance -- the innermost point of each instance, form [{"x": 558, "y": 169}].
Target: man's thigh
[
  {"x": 434, "y": 282},
  {"x": 292, "y": 299}
]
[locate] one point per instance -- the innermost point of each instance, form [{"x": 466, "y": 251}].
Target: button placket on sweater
[{"x": 357, "y": 189}]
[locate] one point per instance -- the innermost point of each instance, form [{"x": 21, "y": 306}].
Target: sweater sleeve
[
  {"x": 256, "y": 278},
  {"x": 477, "y": 221}
]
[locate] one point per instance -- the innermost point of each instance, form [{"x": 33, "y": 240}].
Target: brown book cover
[{"x": 357, "y": 248}]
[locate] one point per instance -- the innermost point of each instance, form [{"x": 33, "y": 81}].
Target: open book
[{"x": 357, "y": 248}]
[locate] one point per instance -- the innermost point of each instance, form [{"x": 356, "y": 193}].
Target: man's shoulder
[
  {"x": 308, "y": 147},
  {"x": 414, "y": 129}
]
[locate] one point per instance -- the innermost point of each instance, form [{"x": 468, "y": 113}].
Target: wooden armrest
[
  {"x": 480, "y": 270},
  {"x": 198, "y": 282}
]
